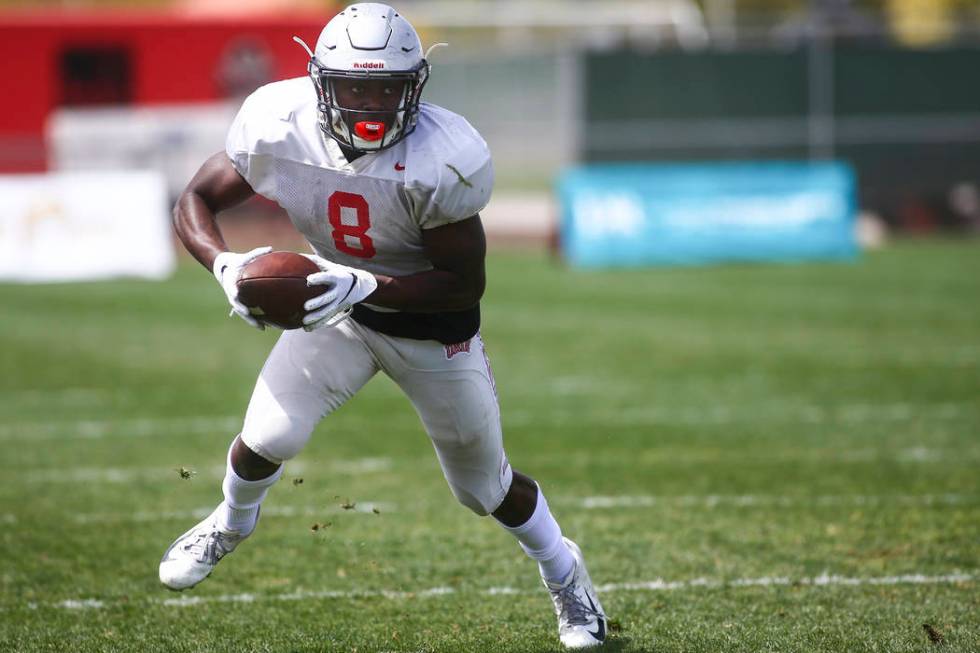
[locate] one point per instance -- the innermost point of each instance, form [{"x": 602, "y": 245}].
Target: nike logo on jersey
[{"x": 399, "y": 167}]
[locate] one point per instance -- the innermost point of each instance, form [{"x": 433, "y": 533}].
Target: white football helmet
[{"x": 367, "y": 41}]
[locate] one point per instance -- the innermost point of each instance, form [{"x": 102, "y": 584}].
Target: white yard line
[
  {"x": 301, "y": 595},
  {"x": 658, "y": 585},
  {"x": 61, "y": 474},
  {"x": 773, "y": 500},
  {"x": 823, "y": 580},
  {"x": 721, "y": 414},
  {"x": 54, "y": 475},
  {"x": 81, "y": 604},
  {"x": 139, "y": 427},
  {"x": 916, "y": 455},
  {"x": 714, "y": 414},
  {"x": 708, "y": 501},
  {"x": 359, "y": 507},
  {"x": 60, "y": 397}
]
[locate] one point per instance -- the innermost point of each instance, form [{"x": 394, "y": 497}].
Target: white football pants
[{"x": 309, "y": 375}]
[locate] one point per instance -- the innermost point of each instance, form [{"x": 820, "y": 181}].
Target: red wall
[{"x": 174, "y": 59}]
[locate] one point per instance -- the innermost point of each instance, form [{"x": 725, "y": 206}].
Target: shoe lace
[
  {"x": 209, "y": 546},
  {"x": 573, "y": 610}
]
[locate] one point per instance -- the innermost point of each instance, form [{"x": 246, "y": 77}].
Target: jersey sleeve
[
  {"x": 250, "y": 148},
  {"x": 238, "y": 145},
  {"x": 458, "y": 187}
]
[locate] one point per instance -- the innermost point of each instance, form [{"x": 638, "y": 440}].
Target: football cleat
[
  {"x": 193, "y": 556},
  {"x": 581, "y": 621}
]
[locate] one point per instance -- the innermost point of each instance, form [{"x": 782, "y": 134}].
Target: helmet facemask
[
  {"x": 368, "y": 41},
  {"x": 367, "y": 131}
]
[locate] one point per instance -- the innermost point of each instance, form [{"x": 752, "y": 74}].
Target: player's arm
[
  {"x": 457, "y": 280},
  {"x": 216, "y": 186}
]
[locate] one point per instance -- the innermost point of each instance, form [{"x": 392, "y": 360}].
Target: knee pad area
[
  {"x": 471, "y": 501},
  {"x": 277, "y": 437},
  {"x": 480, "y": 490},
  {"x": 484, "y": 496}
]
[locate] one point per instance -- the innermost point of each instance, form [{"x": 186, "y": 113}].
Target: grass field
[{"x": 753, "y": 458}]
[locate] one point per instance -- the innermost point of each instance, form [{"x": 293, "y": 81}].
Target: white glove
[
  {"x": 345, "y": 287},
  {"x": 227, "y": 268}
]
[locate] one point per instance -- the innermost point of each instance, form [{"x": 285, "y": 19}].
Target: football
[{"x": 274, "y": 289}]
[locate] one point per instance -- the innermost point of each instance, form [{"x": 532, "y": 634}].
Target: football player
[{"x": 388, "y": 191}]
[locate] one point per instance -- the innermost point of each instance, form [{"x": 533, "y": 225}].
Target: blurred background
[
  {"x": 885, "y": 88},
  {"x": 754, "y": 456}
]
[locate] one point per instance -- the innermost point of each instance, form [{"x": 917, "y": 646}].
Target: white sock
[
  {"x": 240, "y": 509},
  {"x": 540, "y": 537}
]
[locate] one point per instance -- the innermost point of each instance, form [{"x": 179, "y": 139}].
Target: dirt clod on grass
[{"x": 935, "y": 636}]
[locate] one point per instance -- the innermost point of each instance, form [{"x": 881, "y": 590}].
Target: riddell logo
[{"x": 369, "y": 65}]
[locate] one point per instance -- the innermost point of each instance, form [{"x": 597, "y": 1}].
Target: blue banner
[{"x": 655, "y": 214}]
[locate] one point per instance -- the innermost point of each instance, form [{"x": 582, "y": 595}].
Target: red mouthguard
[{"x": 370, "y": 130}]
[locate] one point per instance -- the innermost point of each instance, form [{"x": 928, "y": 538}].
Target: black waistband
[{"x": 447, "y": 328}]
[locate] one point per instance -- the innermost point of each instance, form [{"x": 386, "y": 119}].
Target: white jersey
[{"x": 368, "y": 213}]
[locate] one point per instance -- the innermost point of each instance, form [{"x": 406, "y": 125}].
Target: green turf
[{"x": 746, "y": 423}]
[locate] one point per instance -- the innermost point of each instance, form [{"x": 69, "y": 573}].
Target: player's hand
[
  {"x": 227, "y": 268},
  {"x": 344, "y": 287}
]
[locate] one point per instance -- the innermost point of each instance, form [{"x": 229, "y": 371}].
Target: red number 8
[{"x": 357, "y": 232}]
